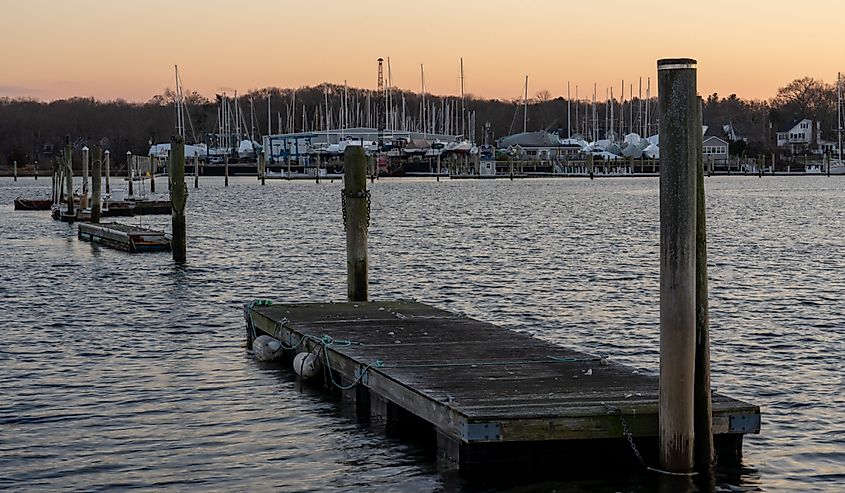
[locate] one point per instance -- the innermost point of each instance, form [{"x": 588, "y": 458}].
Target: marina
[{"x": 324, "y": 256}]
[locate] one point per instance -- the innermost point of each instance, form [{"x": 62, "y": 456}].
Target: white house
[
  {"x": 796, "y": 135},
  {"x": 715, "y": 149}
]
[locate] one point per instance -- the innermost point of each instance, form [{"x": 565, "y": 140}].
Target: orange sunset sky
[{"x": 126, "y": 49}]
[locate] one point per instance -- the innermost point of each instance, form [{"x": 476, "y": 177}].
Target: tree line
[{"x": 30, "y": 129}]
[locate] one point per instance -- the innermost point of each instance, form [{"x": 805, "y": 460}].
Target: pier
[{"x": 484, "y": 394}]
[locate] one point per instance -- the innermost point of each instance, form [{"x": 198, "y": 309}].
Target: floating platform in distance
[
  {"x": 125, "y": 237},
  {"x": 484, "y": 394}
]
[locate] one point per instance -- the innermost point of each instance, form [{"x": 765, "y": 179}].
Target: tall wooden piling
[
  {"x": 703, "y": 405},
  {"x": 178, "y": 197},
  {"x": 15, "y": 169},
  {"x": 35, "y": 170},
  {"x": 69, "y": 177},
  {"x": 152, "y": 174},
  {"x": 591, "y": 165},
  {"x": 196, "y": 171},
  {"x": 317, "y": 178},
  {"x": 226, "y": 170},
  {"x": 680, "y": 132},
  {"x": 356, "y": 217},
  {"x": 129, "y": 171},
  {"x": 83, "y": 200},
  {"x": 107, "y": 163},
  {"x": 773, "y": 164},
  {"x": 96, "y": 185}
]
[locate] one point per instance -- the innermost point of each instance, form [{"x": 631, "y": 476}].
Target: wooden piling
[
  {"x": 773, "y": 164},
  {"x": 178, "y": 197},
  {"x": 107, "y": 163},
  {"x": 196, "y": 171},
  {"x": 679, "y": 135},
  {"x": 827, "y": 163},
  {"x": 96, "y": 186},
  {"x": 129, "y": 171},
  {"x": 35, "y": 170},
  {"x": 152, "y": 174},
  {"x": 83, "y": 200},
  {"x": 262, "y": 167},
  {"x": 69, "y": 178},
  {"x": 318, "y": 168},
  {"x": 15, "y": 169},
  {"x": 226, "y": 170},
  {"x": 703, "y": 405},
  {"x": 591, "y": 164},
  {"x": 356, "y": 215}
]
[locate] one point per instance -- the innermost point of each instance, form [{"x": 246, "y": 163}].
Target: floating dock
[
  {"x": 132, "y": 239},
  {"x": 484, "y": 394}
]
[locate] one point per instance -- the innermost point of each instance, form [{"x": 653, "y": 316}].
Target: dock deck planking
[{"x": 480, "y": 384}]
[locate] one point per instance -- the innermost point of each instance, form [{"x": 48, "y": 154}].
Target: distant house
[
  {"x": 715, "y": 149},
  {"x": 796, "y": 136}
]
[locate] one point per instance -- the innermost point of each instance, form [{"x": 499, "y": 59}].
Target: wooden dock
[
  {"x": 484, "y": 394},
  {"x": 125, "y": 237}
]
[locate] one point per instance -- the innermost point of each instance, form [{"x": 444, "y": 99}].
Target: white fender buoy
[
  {"x": 306, "y": 365},
  {"x": 266, "y": 348}
]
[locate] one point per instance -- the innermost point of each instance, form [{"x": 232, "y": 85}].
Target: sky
[{"x": 127, "y": 49}]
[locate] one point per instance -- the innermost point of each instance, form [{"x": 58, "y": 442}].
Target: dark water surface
[{"x": 126, "y": 371}]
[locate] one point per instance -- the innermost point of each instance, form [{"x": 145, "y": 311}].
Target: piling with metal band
[
  {"x": 69, "y": 178},
  {"x": 703, "y": 405},
  {"x": 679, "y": 136},
  {"x": 178, "y": 197},
  {"x": 106, "y": 163},
  {"x": 356, "y": 217},
  {"x": 96, "y": 185},
  {"x": 129, "y": 171},
  {"x": 83, "y": 200}
]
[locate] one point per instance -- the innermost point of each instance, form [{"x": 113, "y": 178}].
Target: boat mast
[
  {"x": 568, "y": 112},
  {"x": 640, "y": 107},
  {"x": 525, "y": 105},
  {"x": 180, "y": 119},
  {"x": 839, "y": 113},
  {"x": 463, "y": 103},
  {"x": 422, "y": 86}
]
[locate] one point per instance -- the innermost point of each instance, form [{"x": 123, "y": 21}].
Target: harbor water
[{"x": 122, "y": 371}]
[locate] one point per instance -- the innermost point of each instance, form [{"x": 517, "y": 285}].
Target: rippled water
[{"x": 121, "y": 371}]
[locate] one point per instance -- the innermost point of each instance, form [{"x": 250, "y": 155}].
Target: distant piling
[
  {"x": 107, "y": 163},
  {"x": 356, "y": 216},
  {"x": 178, "y": 197},
  {"x": 591, "y": 165},
  {"x": 226, "y": 170},
  {"x": 69, "y": 177},
  {"x": 83, "y": 200},
  {"x": 35, "y": 170},
  {"x": 97, "y": 185},
  {"x": 317, "y": 178},
  {"x": 680, "y": 131},
  {"x": 129, "y": 172},
  {"x": 15, "y": 169},
  {"x": 152, "y": 174},
  {"x": 262, "y": 166},
  {"x": 827, "y": 163},
  {"x": 196, "y": 171}
]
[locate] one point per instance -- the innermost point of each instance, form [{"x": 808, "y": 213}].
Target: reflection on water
[{"x": 126, "y": 371}]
